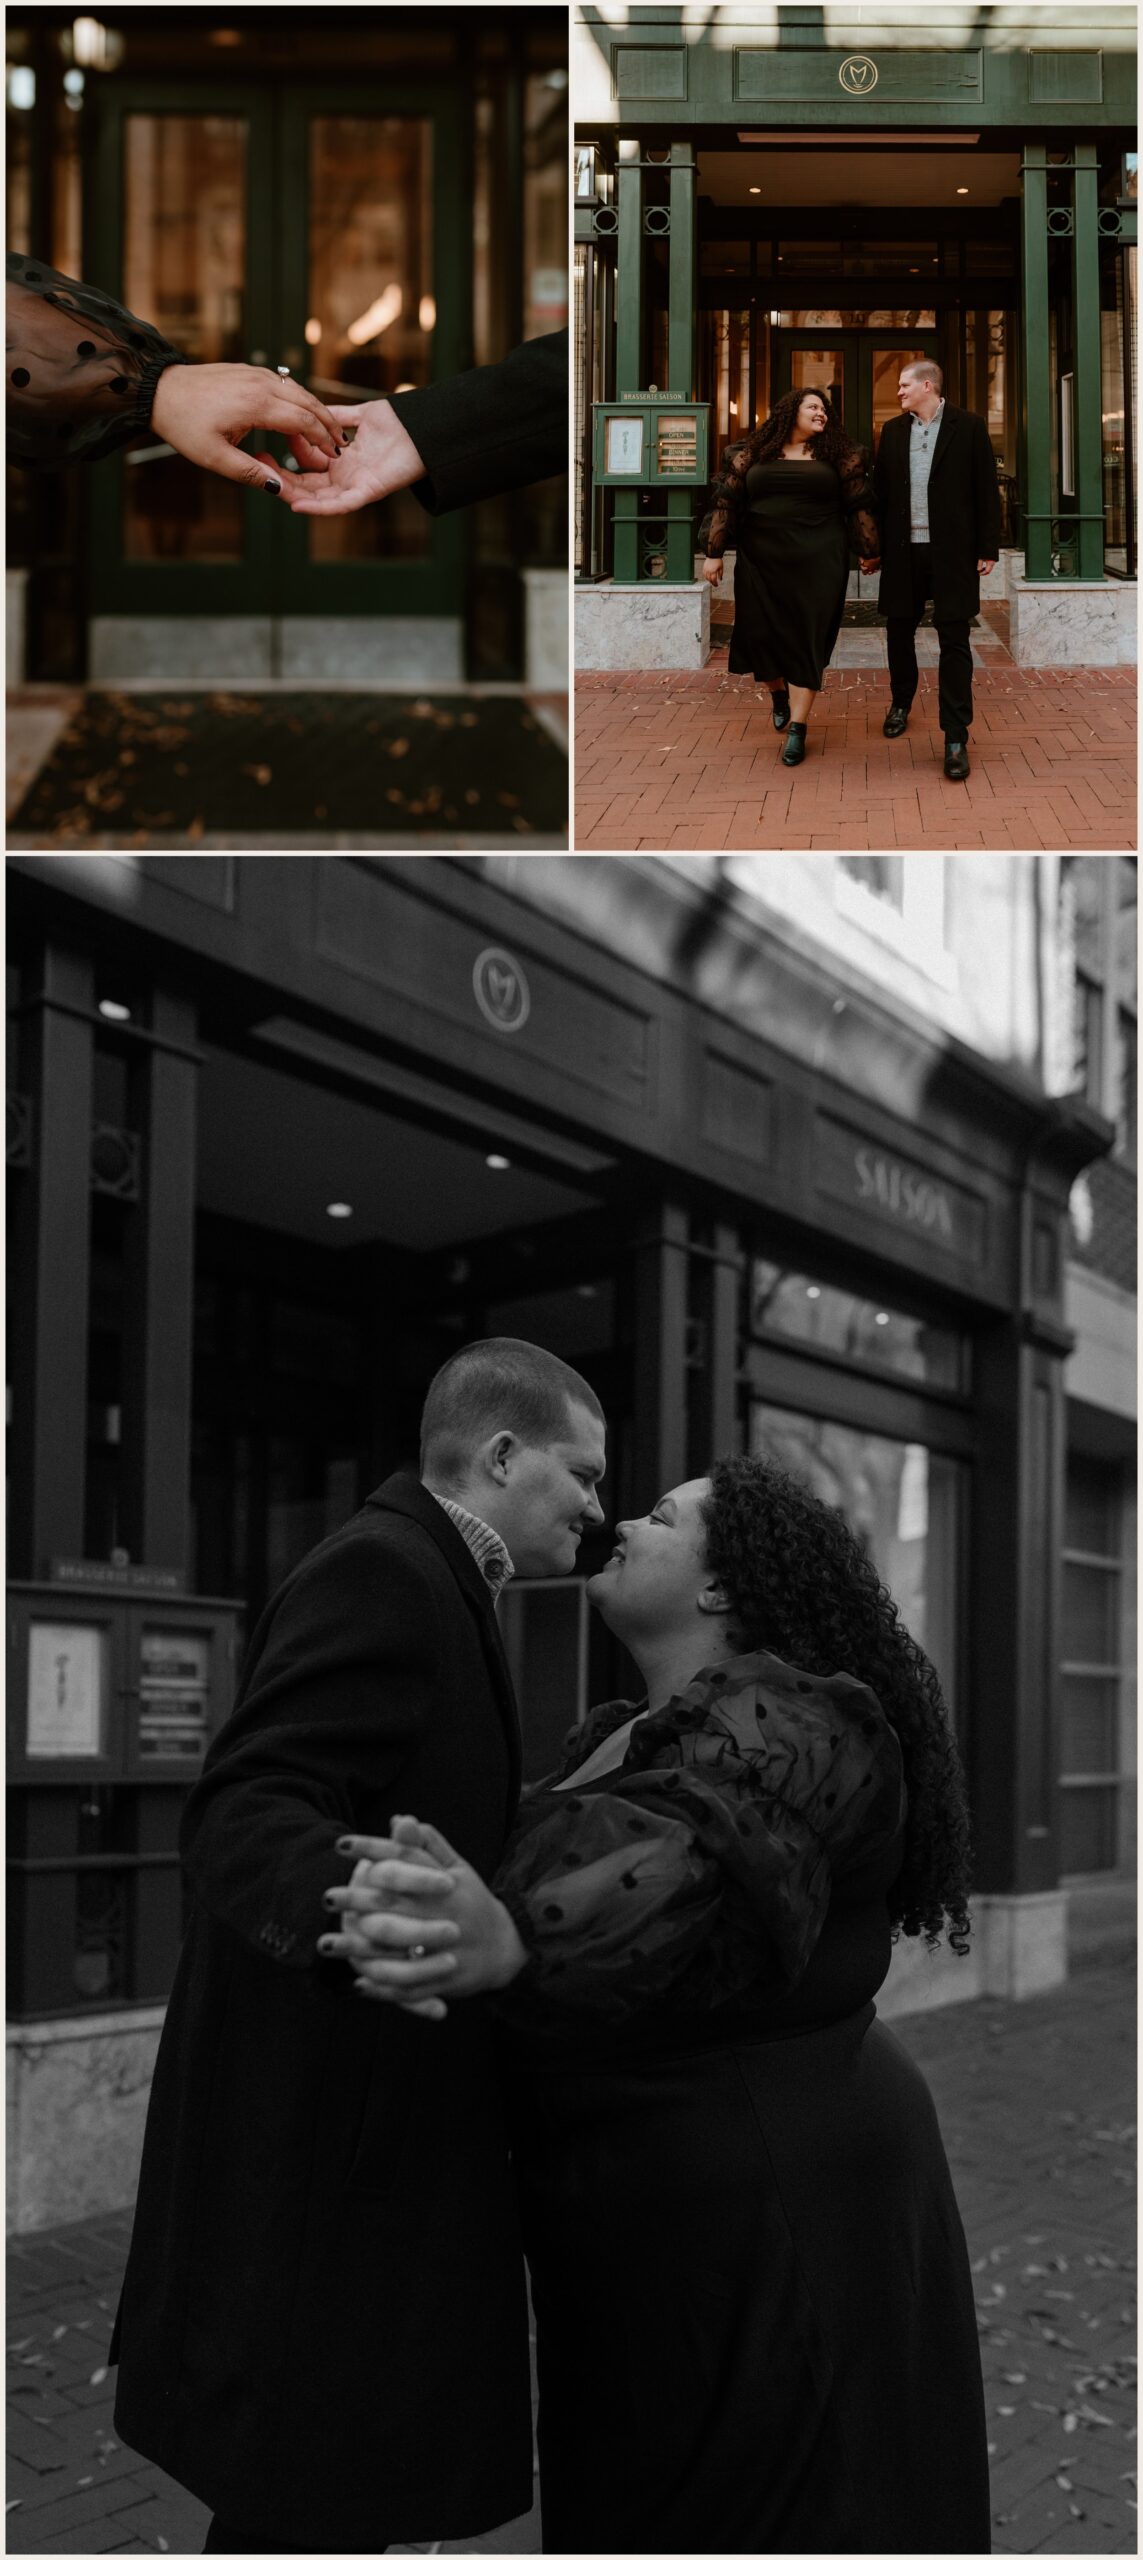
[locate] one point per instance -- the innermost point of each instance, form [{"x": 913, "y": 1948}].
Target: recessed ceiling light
[
  {"x": 497, "y": 1164},
  {"x": 813, "y": 1293},
  {"x": 881, "y": 1317},
  {"x": 756, "y": 191},
  {"x": 113, "y": 1012},
  {"x": 962, "y": 191},
  {"x": 339, "y": 1209}
]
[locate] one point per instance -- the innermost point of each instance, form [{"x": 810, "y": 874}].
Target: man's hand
[
  {"x": 381, "y": 458},
  {"x": 477, "y": 1948},
  {"x": 983, "y": 567},
  {"x": 712, "y": 572},
  {"x": 204, "y": 410}
]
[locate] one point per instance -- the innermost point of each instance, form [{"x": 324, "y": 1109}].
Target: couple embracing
[
  {"x": 625, "y": 2026},
  {"x": 797, "y": 495}
]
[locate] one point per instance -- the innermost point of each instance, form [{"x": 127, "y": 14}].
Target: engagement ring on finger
[
  {"x": 282, "y": 368},
  {"x": 417, "y": 1951}
]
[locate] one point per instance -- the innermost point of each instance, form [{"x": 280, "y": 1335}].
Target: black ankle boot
[
  {"x": 795, "y": 747},
  {"x": 780, "y": 707}
]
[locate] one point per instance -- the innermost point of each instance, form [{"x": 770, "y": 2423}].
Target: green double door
[
  {"x": 856, "y": 368},
  {"x": 322, "y": 229}
]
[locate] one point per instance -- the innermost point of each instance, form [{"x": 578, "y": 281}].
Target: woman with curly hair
[
  {"x": 794, "y": 493},
  {"x": 755, "y": 2319}
]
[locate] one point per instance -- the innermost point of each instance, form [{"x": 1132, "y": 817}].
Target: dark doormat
[{"x": 133, "y": 768}]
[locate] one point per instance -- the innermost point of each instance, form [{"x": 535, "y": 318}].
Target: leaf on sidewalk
[{"x": 100, "y": 2373}]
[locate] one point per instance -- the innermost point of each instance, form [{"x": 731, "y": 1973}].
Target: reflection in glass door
[
  {"x": 295, "y": 228},
  {"x": 184, "y": 269},
  {"x": 370, "y": 304}
]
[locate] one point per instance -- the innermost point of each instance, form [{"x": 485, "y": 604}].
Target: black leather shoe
[
  {"x": 895, "y": 720},
  {"x": 795, "y": 747},
  {"x": 956, "y": 760},
  {"x": 780, "y": 709}
]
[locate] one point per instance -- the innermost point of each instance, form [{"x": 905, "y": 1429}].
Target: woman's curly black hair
[
  {"x": 832, "y": 445},
  {"x": 801, "y": 1586}
]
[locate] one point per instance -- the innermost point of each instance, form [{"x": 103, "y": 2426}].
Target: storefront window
[
  {"x": 844, "y": 1326},
  {"x": 1118, "y": 355},
  {"x": 1095, "y": 1684},
  {"x": 901, "y": 1499}
]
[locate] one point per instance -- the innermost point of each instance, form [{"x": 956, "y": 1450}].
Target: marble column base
[
  {"x": 77, "y": 2105},
  {"x": 546, "y": 629},
  {"x": 1018, "y": 1946},
  {"x": 652, "y": 625},
  {"x": 411, "y": 648},
  {"x": 1072, "y": 622}
]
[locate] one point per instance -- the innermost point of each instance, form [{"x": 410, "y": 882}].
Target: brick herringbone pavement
[{"x": 667, "y": 762}]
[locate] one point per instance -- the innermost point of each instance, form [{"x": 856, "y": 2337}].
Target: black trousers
[
  {"x": 244, "y": 2537},
  {"x": 955, "y": 671}
]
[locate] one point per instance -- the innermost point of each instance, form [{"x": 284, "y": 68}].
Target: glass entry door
[
  {"x": 317, "y": 229},
  {"x": 855, "y": 369}
]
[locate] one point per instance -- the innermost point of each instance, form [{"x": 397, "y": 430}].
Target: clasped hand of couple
[
  {"x": 399, "y": 1950},
  {"x": 205, "y": 410}
]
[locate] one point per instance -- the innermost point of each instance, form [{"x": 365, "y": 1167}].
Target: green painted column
[
  {"x": 1036, "y": 369},
  {"x": 1088, "y": 384},
  {"x": 681, "y": 309},
  {"x": 628, "y": 339}
]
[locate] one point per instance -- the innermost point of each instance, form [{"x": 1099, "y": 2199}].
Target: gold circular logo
[{"x": 858, "y": 75}]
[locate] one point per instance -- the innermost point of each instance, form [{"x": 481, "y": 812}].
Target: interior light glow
[
  {"x": 113, "y": 1012},
  {"x": 497, "y": 1164},
  {"x": 427, "y": 314},
  {"x": 813, "y": 1293},
  {"x": 380, "y": 316},
  {"x": 881, "y": 1317},
  {"x": 339, "y": 1209},
  {"x": 313, "y": 333}
]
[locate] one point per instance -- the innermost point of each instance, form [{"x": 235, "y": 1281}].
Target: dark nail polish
[
  {"x": 328, "y": 1903},
  {"x": 274, "y": 487},
  {"x": 325, "y": 1946},
  {"x": 344, "y": 1848}
]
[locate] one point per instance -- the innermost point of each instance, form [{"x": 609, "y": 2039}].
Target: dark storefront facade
[
  {"x": 283, "y": 1133},
  {"x": 375, "y": 200},
  {"x": 795, "y": 198}
]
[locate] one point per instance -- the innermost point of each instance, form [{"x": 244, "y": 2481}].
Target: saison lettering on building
[{"x": 910, "y": 1196}]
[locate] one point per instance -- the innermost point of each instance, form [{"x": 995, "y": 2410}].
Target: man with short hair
[
  {"x": 938, "y": 507},
  {"x": 323, "y": 2329}
]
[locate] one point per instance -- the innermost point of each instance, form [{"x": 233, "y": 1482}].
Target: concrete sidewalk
[{"x": 1036, "y": 2101}]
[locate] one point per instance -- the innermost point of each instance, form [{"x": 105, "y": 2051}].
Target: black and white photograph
[{"x": 571, "y": 1727}]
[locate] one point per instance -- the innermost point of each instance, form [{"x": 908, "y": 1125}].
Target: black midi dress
[
  {"x": 755, "y": 2320},
  {"x": 789, "y": 524}
]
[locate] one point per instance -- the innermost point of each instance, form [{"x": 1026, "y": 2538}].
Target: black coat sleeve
[
  {"x": 498, "y": 427},
  {"x": 335, "y": 1700},
  {"x": 81, "y": 370}
]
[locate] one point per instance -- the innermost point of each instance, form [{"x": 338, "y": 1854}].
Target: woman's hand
[
  {"x": 712, "y": 572},
  {"x": 204, "y": 410},
  {"x": 381, "y": 458},
  {"x": 395, "y": 1884}
]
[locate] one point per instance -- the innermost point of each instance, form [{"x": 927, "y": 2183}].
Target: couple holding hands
[
  {"x": 795, "y": 496},
  {"x": 85, "y": 376},
  {"x": 624, "y": 2026}
]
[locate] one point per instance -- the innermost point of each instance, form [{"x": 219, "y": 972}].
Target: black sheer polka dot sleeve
[
  {"x": 81, "y": 370},
  {"x": 703, "y": 1865}
]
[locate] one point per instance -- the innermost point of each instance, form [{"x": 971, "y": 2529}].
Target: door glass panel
[
  {"x": 887, "y": 364},
  {"x": 820, "y": 369},
  {"x": 371, "y": 308},
  {"x": 901, "y": 1499},
  {"x": 184, "y": 269},
  {"x": 837, "y": 1322}
]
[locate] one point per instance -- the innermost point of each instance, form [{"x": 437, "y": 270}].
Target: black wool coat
[
  {"x": 323, "y": 2323},
  {"x": 496, "y": 427},
  {"x": 964, "y": 514}
]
